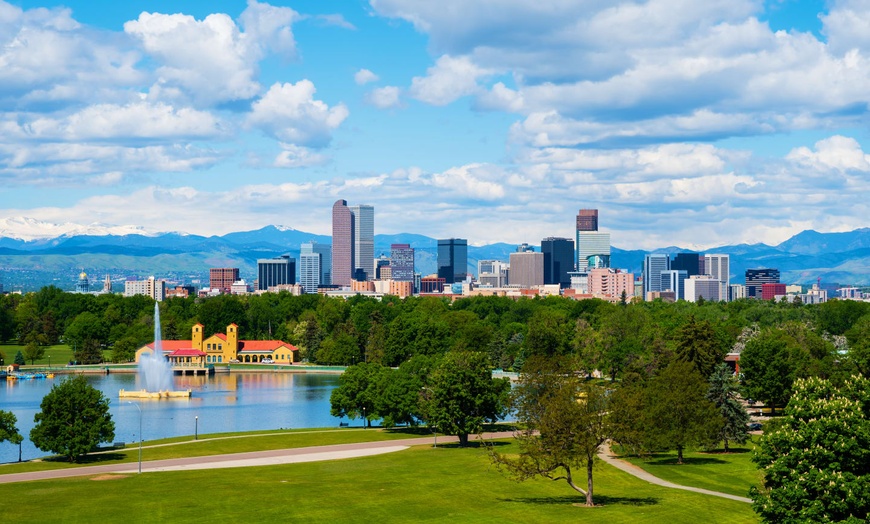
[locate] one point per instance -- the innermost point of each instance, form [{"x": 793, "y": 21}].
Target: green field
[
  {"x": 446, "y": 484},
  {"x": 732, "y": 472},
  {"x": 59, "y": 355}
]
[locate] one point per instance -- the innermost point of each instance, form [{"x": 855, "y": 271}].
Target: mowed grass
[
  {"x": 421, "y": 484},
  {"x": 224, "y": 443},
  {"x": 732, "y": 472},
  {"x": 60, "y": 354}
]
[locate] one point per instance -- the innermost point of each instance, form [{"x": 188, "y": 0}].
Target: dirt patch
[{"x": 109, "y": 477}]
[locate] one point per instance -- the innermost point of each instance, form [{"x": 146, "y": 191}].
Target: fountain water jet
[{"x": 155, "y": 370}]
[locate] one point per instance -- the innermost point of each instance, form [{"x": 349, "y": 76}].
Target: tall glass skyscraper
[
  {"x": 364, "y": 239},
  {"x": 315, "y": 266},
  {"x": 593, "y": 247},
  {"x": 452, "y": 259},
  {"x": 275, "y": 271},
  {"x": 402, "y": 262},
  {"x": 342, "y": 243},
  {"x": 654, "y": 264},
  {"x": 558, "y": 260}
]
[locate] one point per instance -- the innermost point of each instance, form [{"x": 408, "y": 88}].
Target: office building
[
  {"x": 275, "y": 272},
  {"x": 653, "y": 266},
  {"x": 527, "y": 269},
  {"x": 309, "y": 272},
  {"x": 703, "y": 286},
  {"x": 364, "y": 239},
  {"x": 452, "y": 259},
  {"x": 222, "y": 278},
  {"x": 402, "y": 262},
  {"x": 558, "y": 260},
  {"x": 151, "y": 287},
  {"x": 342, "y": 244},
  {"x": 718, "y": 267},
  {"x": 611, "y": 283},
  {"x": 738, "y": 291},
  {"x": 755, "y": 278},
  {"x": 691, "y": 263},
  {"x": 493, "y": 273},
  {"x": 593, "y": 247},
  {"x": 771, "y": 290},
  {"x": 674, "y": 281}
]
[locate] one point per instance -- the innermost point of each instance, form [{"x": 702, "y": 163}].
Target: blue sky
[{"x": 685, "y": 123}]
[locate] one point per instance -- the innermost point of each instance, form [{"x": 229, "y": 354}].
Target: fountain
[{"x": 155, "y": 370}]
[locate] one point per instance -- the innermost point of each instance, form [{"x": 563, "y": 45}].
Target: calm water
[{"x": 230, "y": 402}]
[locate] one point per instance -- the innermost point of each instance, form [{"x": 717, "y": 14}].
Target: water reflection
[{"x": 223, "y": 403}]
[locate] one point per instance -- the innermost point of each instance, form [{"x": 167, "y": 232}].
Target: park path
[
  {"x": 249, "y": 459},
  {"x": 607, "y": 456}
]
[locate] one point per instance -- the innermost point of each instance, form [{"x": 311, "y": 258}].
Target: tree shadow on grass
[
  {"x": 671, "y": 460},
  {"x": 600, "y": 500},
  {"x": 85, "y": 460}
]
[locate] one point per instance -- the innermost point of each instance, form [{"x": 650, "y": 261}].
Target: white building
[
  {"x": 151, "y": 287},
  {"x": 718, "y": 267},
  {"x": 698, "y": 286}
]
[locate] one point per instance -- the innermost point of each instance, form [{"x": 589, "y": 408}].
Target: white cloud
[
  {"x": 364, "y": 76},
  {"x": 293, "y": 156},
  {"x": 837, "y": 152},
  {"x": 450, "y": 78},
  {"x": 290, "y": 113},
  {"x": 384, "y": 97},
  {"x": 336, "y": 20}
]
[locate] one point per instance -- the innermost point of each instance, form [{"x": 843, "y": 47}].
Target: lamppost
[
  {"x": 196, "y": 428},
  {"x": 140, "y": 434},
  {"x": 364, "y": 417},
  {"x": 49, "y": 362}
]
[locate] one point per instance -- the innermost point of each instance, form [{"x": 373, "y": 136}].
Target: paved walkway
[
  {"x": 238, "y": 460},
  {"x": 607, "y": 456}
]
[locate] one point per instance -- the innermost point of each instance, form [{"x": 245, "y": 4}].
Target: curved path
[
  {"x": 238, "y": 460},
  {"x": 606, "y": 455}
]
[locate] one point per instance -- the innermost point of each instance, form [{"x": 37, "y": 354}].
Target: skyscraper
[
  {"x": 342, "y": 243},
  {"x": 452, "y": 259},
  {"x": 315, "y": 265},
  {"x": 717, "y": 266},
  {"x": 558, "y": 260},
  {"x": 755, "y": 278},
  {"x": 222, "y": 278},
  {"x": 691, "y": 263},
  {"x": 527, "y": 269},
  {"x": 674, "y": 280},
  {"x": 364, "y": 239},
  {"x": 653, "y": 266},
  {"x": 275, "y": 271},
  {"x": 593, "y": 247},
  {"x": 402, "y": 262}
]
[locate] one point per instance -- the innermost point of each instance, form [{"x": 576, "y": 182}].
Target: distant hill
[{"x": 30, "y": 262}]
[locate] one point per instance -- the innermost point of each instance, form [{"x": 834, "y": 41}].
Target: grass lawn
[
  {"x": 60, "y": 355},
  {"x": 732, "y": 472},
  {"x": 447, "y": 484}
]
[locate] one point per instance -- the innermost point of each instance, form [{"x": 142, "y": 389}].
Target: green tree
[
  {"x": 723, "y": 393},
  {"x": 698, "y": 343},
  {"x": 19, "y": 358},
  {"x": 74, "y": 418},
  {"x": 564, "y": 424},
  {"x": 770, "y": 364},
  {"x": 88, "y": 352},
  {"x": 815, "y": 464},
  {"x": 33, "y": 352},
  {"x": 8, "y": 430},
  {"x": 678, "y": 411},
  {"x": 463, "y": 395},
  {"x": 357, "y": 394}
]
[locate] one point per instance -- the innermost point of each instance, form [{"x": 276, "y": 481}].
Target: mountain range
[{"x": 31, "y": 258}]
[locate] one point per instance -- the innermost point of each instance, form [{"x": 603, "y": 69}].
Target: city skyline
[{"x": 719, "y": 124}]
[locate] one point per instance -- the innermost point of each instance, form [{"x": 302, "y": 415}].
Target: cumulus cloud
[
  {"x": 364, "y": 76},
  {"x": 837, "y": 152},
  {"x": 290, "y": 113},
  {"x": 293, "y": 156},
  {"x": 384, "y": 97},
  {"x": 450, "y": 78}
]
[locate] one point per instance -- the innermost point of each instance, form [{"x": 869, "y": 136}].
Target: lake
[{"x": 220, "y": 403}]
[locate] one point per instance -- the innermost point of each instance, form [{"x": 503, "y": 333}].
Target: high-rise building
[
  {"x": 755, "y": 278},
  {"x": 611, "y": 283},
  {"x": 691, "y": 263},
  {"x": 675, "y": 281},
  {"x": 222, "y": 278},
  {"x": 275, "y": 272},
  {"x": 151, "y": 287},
  {"x": 558, "y": 260},
  {"x": 718, "y": 267},
  {"x": 402, "y": 262},
  {"x": 593, "y": 247},
  {"x": 342, "y": 243},
  {"x": 364, "y": 239},
  {"x": 703, "y": 286},
  {"x": 493, "y": 273},
  {"x": 315, "y": 266},
  {"x": 383, "y": 270},
  {"x": 653, "y": 266},
  {"x": 527, "y": 269},
  {"x": 452, "y": 259},
  {"x": 771, "y": 290}
]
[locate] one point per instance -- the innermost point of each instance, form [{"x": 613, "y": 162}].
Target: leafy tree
[
  {"x": 770, "y": 363},
  {"x": 19, "y": 358},
  {"x": 859, "y": 345},
  {"x": 463, "y": 395},
  {"x": 815, "y": 464},
  {"x": 357, "y": 394},
  {"x": 401, "y": 391},
  {"x": 628, "y": 417},
  {"x": 73, "y": 419},
  {"x": 698, "y": 343},
  {"x": 549, "y": 333},
  {"x": 124, "y": 349},
  {"x": 8, "y": 430},
  {"x": 33, "y": 352},
  {"x": 564, "y": 423},
  {"x": 678, "y": 410},
  {"x": 723, "y": 393},
  {"x": 88, "y": 352}
]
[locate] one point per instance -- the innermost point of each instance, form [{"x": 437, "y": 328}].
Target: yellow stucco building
[{"x": 223, "y": 348}]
